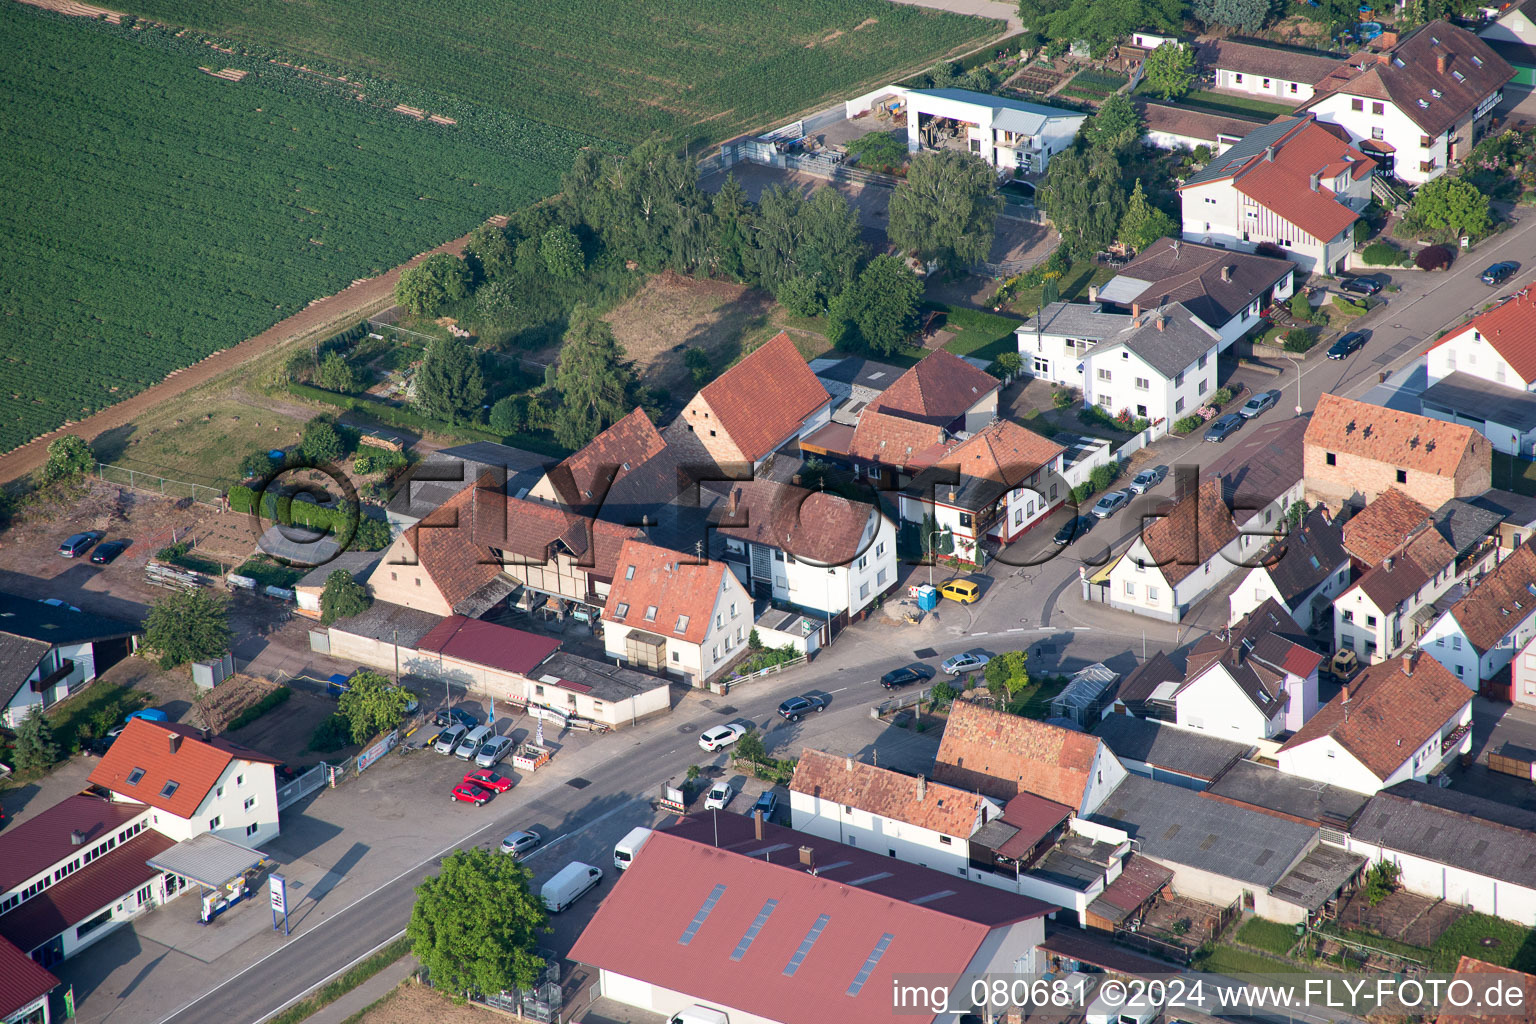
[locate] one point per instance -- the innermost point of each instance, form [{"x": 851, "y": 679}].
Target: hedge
[
  {"x": 405, "y": 419},
  {"x": 1380, "y": 254},
  {"x": 260, "y": 708},
  {"x": 1187, "y": 424}
]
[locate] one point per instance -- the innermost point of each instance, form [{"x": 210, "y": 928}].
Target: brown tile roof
[
  {"x": 446, "y": 546},
  {"x": 1192, "y": 532},
  {"x": 1493, "y": 608},
  {"x": 1307, "y": 557},
  {"x": 22, "y": 979},
  {"x": 766, "y": 397},
  {"x": 40, "y": 842},
  {"x": 1469, "y": 966},
  {"x": 1258, "y": 652},
  {"x": 1510, "y": 328},
  {"x": 938, "y": 390},
  {"x": 892, "y": 440},
  {"x": 1001, "y": 453},
  {"x": 1192, "y": 123},
  {"x": 916, "y": 801},
  {"x": 1265, "y": 61},
  {"x": 533, "y": 529},
  {"x": 1002, "y": 755},
  {"x": 584, "y": 478},
  {"x": 814, "y": 526},
  {"x": 683, "y": 594},
  {"x": 1403, "y": 572},
  {"x": 1191, "y": 273},
  {"x": 1409, "y": 76},
  {"x": 1391, "y": 714},
  {"x": 1402, "y": 439},
  {"x": 194, "y": 765},
  {"x": 1383, "y": 526}
]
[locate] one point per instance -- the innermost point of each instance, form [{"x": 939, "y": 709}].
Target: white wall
[
  {"x": 1162, "y": 401},
  {"x": 1326, "y": 760},
  {"x": 1213, "y": 704},
  {"x": 1523, "y": 679},
  {"x": 1150, "y": 593},
  {"x": 1258, "y": 586},
  {"x": 665, "y": 1001},
  {"x": 1394, "y": 127},
  {"x": 885, "y": 836},
  {"x": 1216, "y": 213},
  {"x": 992, "y": 144},
  {"x": 1445, "y": 641},
  {"x": 100, "y": 846},
  {"x": 700, "y": 662},
  {"x": 1283, "y": 89},
  {"x": 1107, "y": 775},
  {"x": 241, "y": 782},
  {"x": 1467, "y": 351},
  {"x": 1454, "y": 884}
]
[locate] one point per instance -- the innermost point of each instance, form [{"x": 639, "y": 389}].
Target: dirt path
[{"x": 352, "y": 303}]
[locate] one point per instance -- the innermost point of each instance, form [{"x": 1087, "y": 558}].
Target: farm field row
[
  {"x": 156, "y": 214},
  {"x": 622, "y": 69}
]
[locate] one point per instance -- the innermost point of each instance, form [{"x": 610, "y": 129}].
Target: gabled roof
[
  {"x": 1305, "y": 558},
  {"x": 1258, "y": 652},
  {"x": 178, "y": 768},
  {"x": 1169, "y": 339},
  {"x": 1214, "y": 284},
  {"x": 1191, "y": 123},
  {"x": 814, "y": 526},
  {"x": 584, "y": 478},
  {"x": 535, "y": 531},
  {"x": 1002, "y": 755},
  {"x": 44, "y": 840},
  {"x": 1410, "y": 76},
  {"x": 975, "y": 472},
  {"x": 1510, "y": 328},
  {"x": 938, "y": 390},
  {"x": 1192, "y": 533},
  {"x": 1404, "y": 440},
  {"x": 1186, "y": 751},
  {"x": 22, "y": 979},
  {"x": 906, "y": 798},
  {"x": 1081, "y": 321},
  {"x": 766, "y": 397},
  {"x": 446, "y": 472},
  {"x": 1259, "y": 465},
  {"x": 1385, "y": 714},
  {"x": 1265, "y": 61},
  {"x": 1498, "y": 605},
  {"x": 1145, "y": 680},
  {"x": 681, "y": 592},
  {"x": 892, "y": 440},
  {"x": 447, "y": 549},
  {"x": 1465, "y": 525},
  {"x": 1384, "y": 525},
  {"x": 486, "y": 643},
  {"x": 1406, "y": 570},
  {"x": 29, "y": 629}
]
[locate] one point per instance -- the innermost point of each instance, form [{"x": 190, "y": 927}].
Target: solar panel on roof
[
  {"x": 869, "y": 964},
  {"x": 752, "y": 929},
  {"x": 805, "y": 945},
  {"x": 698, "y": 919},
  {"x": 870, "y": 878},
  {"x": 933, "y": 896}
]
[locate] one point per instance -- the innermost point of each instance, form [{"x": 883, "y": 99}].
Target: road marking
[
  {"x": 1018, "y": 629},
  {"x": 982, "y": 633},
  {"x": 606, "y": 814},
  {"x": 840, "y": 689}
]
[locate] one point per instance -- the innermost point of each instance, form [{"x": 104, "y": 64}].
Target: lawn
[
  {"x": 1270, "y": 936},
  {"x": 981, "y": 334},
  {"x": 1513, "y": 945},
  {"x": 1224, "y": 959},
  {"x": 1229, "y": 103},
  {"x": 1073, "y": 285},
  {"x": 201, "y": 438},
  {"x": 91, "y": 712}
]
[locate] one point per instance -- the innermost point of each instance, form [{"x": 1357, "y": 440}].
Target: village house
[
  {"x": 48, "y": 651},
  {"x": 1287, "y": 76},
  {"x": 1168, "y": 126},
  {"x": 854, "y": 383},
  {"x": 1480, "y": 632},
  {"x": 1293, "y": 184},
  {"x": 1165, "y": 752},
  {"x": 758, "y": 406},
  {"x": 1180, "y": 556},
  {"x": 1385, "y": 524},
  {"x": 25, "y": 988},
  {"x": 1251, "y": 681},
  {"x": 1417, "y": 107},
  {"x": 1261, "y": 479},
  {"x": 1482, "y": 375},
  {"x": 1302, "y": 572},
  {"x": 1399, "y": 720},
  {"x": 582, "y": 481},
  {"x": 1013, "y": 136},
  {"x": 1381, "y": 612},
  {"x": 1355, "y": 450},
  {"x": 438, "y": 566},
  {"x": 446, "y": 472}
]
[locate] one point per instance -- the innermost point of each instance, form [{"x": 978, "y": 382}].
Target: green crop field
[
  {"x": 623, "y": 69},
  {"x": 155, "y": 214}
]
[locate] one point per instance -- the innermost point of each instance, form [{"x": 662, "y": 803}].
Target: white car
[
  {"x": 965, "y": 663},
  {"x": 495, "y": 748},
  {"x": 721, "y": 736},
  {"x": 719, "y": 795}
]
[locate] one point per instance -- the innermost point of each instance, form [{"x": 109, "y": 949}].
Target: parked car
[
  {"x": 721, "y": 736},
  {"x": 916, "y": 673},
  {"x": 487, "y": 779},
  {"x": 468, "y": 793},
  {"x": 718, "y": 796},
  {"x": 1223, "y": 427},
  {"x": 1499, "y": 272},
  {"x": 569, "y": 885},
  {"x": 1259, "y": 404},
  {"x": 450, "y": 737},
  {"x": 1110, "y": 503},
  {"x": 1148, "y": 479},
  {"x": 519, "y": 843},
  {"x": 1346, "y": 344},
  {"x": 968, "y": 662},
  {"x": 1360, "y": 285},
  {"x": 54, "y": 602},
  {"x": 77, "y": 545},
  {"x": 792, "y": 709},
  {"x": 963, "y": 591},
  {"x": 1075, "y": 528},
  {"x": 493, "y": 750},
  {"x": 105, "y": 553},
  {"x": 473, "y": 740},
  {"x": 767, "y": 804},
  {"x": 148, "y": 714},
  {"x": 452, "y": 716}
]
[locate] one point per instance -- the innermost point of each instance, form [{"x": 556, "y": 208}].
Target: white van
[
  {"x": 469, "y": 746},
  {"x": 569, "y": 885},
  {"x": 449, "y": 738},
  {"x": 625, "y": 850},
  {"x": 697, "y": 1014}
]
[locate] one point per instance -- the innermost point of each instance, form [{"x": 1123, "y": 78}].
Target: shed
[{"x": 1083, "y": 699}]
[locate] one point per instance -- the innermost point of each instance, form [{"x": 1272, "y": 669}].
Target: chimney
[
  {"x": 951, "y": 494},
  {"x": 848, "y": 763},
  {"x": 1443, "y": 63},
  {"x": 1312, "y": 181},
  {"x": 1345, "y": 693},
  {"x": 808, "y": 858},
  {"x": 757, "y": 824},
  {"x": 76, "y": 838},
  {"x": 1408, "y": 663},
  {"x": 735, "y": 499},
  {"x": 1386, "y": 563},
  {"x": 1161, "y": 320},
  {"x": 922, "y": 787},
  {"x": 1093, "y": 293},
  {"x": 1135, "y": 310},
  {"x": 175, "y": 739},
  {"x": 1269, "y": 154},
  {"x": 1226, "y": 272}
]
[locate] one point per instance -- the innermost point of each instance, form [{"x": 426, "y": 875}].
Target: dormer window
[
  {"x": 682, "y": 625},
  {"x": 1424, "y": 104},
  {"x": 169, "y": 789},
  {"x": 622, "y": 610},
  {"x": 134, "y": 776},
  {"x": 1436, "y": 93},
  {"x": 1477, "y": 60},
  {"x": 1458, "y": 76},
  {"x": 650, "y": 613},
  {"x": 629, "y": 572},
  {"x": 1397, "y": 62}
]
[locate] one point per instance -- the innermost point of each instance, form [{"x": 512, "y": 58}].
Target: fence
[
  {"x": 139, "y": 480},
  {"x": 737, "y": 677},
  {"x": 906, "y": 700},
  {"x": 302, "y": 786},
  {"x": 380, "y": 325}
]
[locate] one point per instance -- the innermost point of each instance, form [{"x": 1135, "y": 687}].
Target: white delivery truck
[
  {"x": 569, "y": 885},
  {"x": 697, "y": 1014},
  {"x": 625, "y": 850}
]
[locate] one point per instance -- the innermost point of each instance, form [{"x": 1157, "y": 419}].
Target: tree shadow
[
  {"x": 721, "y": 338},
  {"x": 112, "y": 445}
]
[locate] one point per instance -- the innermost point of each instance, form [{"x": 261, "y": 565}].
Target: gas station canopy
[{"x": 208, "y": 860}]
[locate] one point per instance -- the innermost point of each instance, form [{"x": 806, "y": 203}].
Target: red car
[
  {"x": 470, "y": 794},
  {"x": 488, "y": 780}
]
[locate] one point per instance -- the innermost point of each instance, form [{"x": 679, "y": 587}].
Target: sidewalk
[{"x": 366, "y": 994}]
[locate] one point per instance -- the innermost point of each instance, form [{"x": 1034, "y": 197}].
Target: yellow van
[{"x": 963, "y": 591}]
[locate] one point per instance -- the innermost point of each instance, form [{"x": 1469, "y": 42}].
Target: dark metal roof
[
  {"x": 596, "y": 678},
  {"x": 29, "y": 628},
  {"x": 1185, "y": 751},
  {"x": 1410, "y": 818},
  {"x": 1464, "y": 525},
  {"x": 1318, "y": 878},
  {"x": 1515, "y": 509},
  {"x": 1274, "y": 792},
  {"x": 445, "y": 473},
  {"x": 1472, "y": 398},
  {"x": 393, "y": 622},
  {"x": 42, "y": 841},
  {"x": 22, "y": 979}
]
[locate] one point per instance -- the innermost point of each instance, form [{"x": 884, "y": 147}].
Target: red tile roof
[
  {"x": 39, "y": 843},
  {"x": 194, "y": 765},
  {"x": 1390, "y": 713},
  {"x": 1035, "y": 817},
  {"x": 531, "y": 529},
  {"x": 766, "y": 397},
  {"x": 930, "y": 805},
  {"x": 101, "y": 883},
  {"x": 892, "y": 440},
  {"x": 1497, "y": 606},
  {"x": 682, "y": 592},
  {"x": 486, "y": 643},
  {"x": 938, "y": 390},
  {"x": 1192, "y": 533},
  {"x": 1507, "y": 975},
  {"x": 585, "y": 477},
  {"x": 1003, "y": 755},
  {"x": 1002, "y": 452},
  {"x": 1412, "y": 566},
  {"x": 1402, "y": 439},
  {"x": 1383, "y": 526},
  {"x": 1265, "y": 61},
  {"x": 1510, "y": 328},
  {"x": 22, "y": 979},
  {"x": 445, "y": 546},
  {"x": 814, "y": 526}
]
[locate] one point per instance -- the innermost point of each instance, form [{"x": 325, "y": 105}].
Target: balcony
[{"x": 53, "y": 678}]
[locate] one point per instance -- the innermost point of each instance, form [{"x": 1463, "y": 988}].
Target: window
[
  {"x": 239, "y": 780},
  {"x": 682, "y": 625},
  {"x": 1143, "y": 384},
  {"x": 134, "y": 776},
  {"x": 1178, "y": 406},
  {"x": 1377, "y": 108},
  {"x": 863, "y": 591},
  {"x": 1237, "y": 77},
  {"x": 622, "y": 610},
  {"x": 1356, "y": 104},
  {"x": 1402, "y": 476},
  {"x": 1330, "y": 458},
  {"x": 714, "y": 652},
  {"x": 394, "y": 576},
  {"x": 1202, "y": 361},
  {"x": 1151, "y": 593},
  {"x": 1104, "y": 374},
  {"x": 1349, "y": 616},
  {"x": 1178, "y": 379},
  {"x": 945, "y": 841},
  {"x": 733, "y": 603},
  {"x": 250, "y": 802},
  {"x": 218, "y": 792},
  {"x": 1424, "y": 142},
  {"x": 1205, "y": 386},
  {"x": 650, "y": 613},
  {"x": 1370, "y": 621},
  {"x": 880, "y": 550},
  {"x": 418, "y": 581},
  {"x": 863, "y": 561},
  {"x": 1425, "y": 166},
  {"x": 1458, "y": 76},
  {"x": 1130, "y": 589},
  {"x": 214, "y": 822},
  {"x": 1018, "y": 517},
  {"x": 1293, "y": 87},
  {"x": 629, "y": 572},
  {"x": 719, "y": 620},
  {"x": 880, "y": 578},
  {"x": 169, "y": 789},
  {"x": 538, "y": 691},
  {"x": 676, "y": 656},
  {"x": 252, "y": 828},
  {"x": 1455, "y": 643}
]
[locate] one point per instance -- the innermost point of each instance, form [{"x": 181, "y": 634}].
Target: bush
[
  {"x": 332, "y": 734},
  {"x": 1061, "y": 398},
  {"x": 1381, "y": 254},
  {"x": 171, "y": 552},
  {"x": 1222, "y": 397},
  {"x": 1433, "y": 257},
  {"x": 1300, "y": 339},
  {"x": 1301, "y": 309},
  {"x": 260, "y": 708},
  {"x": 1271, "y": 250},
  {"x": 1186, "y": 424}
]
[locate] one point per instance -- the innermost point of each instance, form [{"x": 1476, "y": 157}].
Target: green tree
[
  {"x": 830, "y": 248},
  {"x": 256, "y": 464},
  {"x": 449, "y": 384},
  {"x": 1142, "y": 224},
  {"x": 732, "y": 228},
  {"x": 1170, "y": 70},
  {"x": 879, "y": 151},
  {"x": 942, "y": 695},
  {"x": 1451, "y": 206},
  {"x": 595, "y": 380},
  {"x": 489, "y": 252},
  {"x": 1099, "y": 23},
  {"x": 1115, "y": 127},
  {"x": 1084, "y": 199},
  {"x": 372, "y": 704},
  {"x": 696, "y": 361},
  {"x": 1007, "y": 365},
  {"x": 1296, "y": 513},
  {"x": 68, "y": 457},
  {"x": 945, "y": 209},
  {"x": 1007, "y": 674},
  {"x": 336, "y": 373},
  {"x": 435, "y": 281},
  {"x": 1243, "y": 15},
  {"x": 750, "y": 748},
  {"x": 798, "y": 295},
  {"x": 562, "y": 254},
  {"x": 35, "y": 748},
  {"x": 476, "y": 924},
  {"x": 188, "y": 626},
  {"x": 342, "y": 598},
  {"x": 321, "y": 443},
  {"x": 646, "y": 205},
  {"x": 509, "y": 415},
  {"x": 496, "y": 303},
  {"x": 879, "y": 310}
]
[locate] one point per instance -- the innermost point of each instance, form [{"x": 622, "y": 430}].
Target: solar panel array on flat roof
[{"x": 698, "y": 919}]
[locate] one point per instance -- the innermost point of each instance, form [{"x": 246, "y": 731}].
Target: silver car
[
  {"x": 449, "y": 738},
  {"x": 494, "y": 749},
  {"x": 469, "y": 746},
  {"x": 519, "y": 843}
]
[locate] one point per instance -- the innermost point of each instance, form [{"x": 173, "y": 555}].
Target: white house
[
  {"x": 1483, "y": 374},
  {"x": 47, "y": 651},
  {"x": 1419, "y": 107},
  {"x": 1291, "y": 184},
  {"x": 1378, "y": 615},
  {"x": 1167, "y": 126},
  {"x": 1016, "y": 137},
  {"x": 1523, "y": 677},
  {"x": 1180, "y": 556},
  {"x": 1399, "y": 720},
  {"x": 1512, "y": 35},
  {"x": 1285, "y": 76},
  {"x": 1302, "y": 572},
  {"x": 816, "y": 551},
  {"x": 1252, "y": 681},
  {"x": 1479, "y": 634},
  {"x": 669, "y": 613},
  {"x": 193, "y": 785}
]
